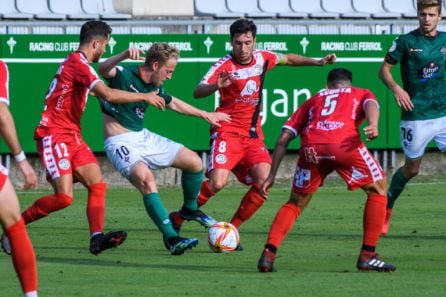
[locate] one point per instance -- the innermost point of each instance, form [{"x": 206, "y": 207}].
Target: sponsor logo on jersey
[
  {"x": 329, "y": 125},
  {"x": 64, "y": 164},
  {"x": 429, "y": 71},
  {"x": 220, "y": 159},
  {"x": 415, "y": 50}
]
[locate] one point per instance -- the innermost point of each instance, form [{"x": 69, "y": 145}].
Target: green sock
[
  {"x": 156, "y": 211},
  {"x": 397, "y": 185},
  {"x": 191, "y": 184}
]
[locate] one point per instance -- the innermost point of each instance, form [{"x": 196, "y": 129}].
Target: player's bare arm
[
  {"x": 203, "y": 90},
  {"x": 213, "y": 118},
  {"x": 279, "y": 151},
  {"x": 9, "y": 134},
  {"x": 297, "y": 60},
  {"x": 107, "y": 68},
  {"x": 118, "y": 96},
  {"x": 372, "y": 115},
  {"x": 402, "y": 98}
]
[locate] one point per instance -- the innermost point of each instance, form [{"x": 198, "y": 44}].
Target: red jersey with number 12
[
  {"x": 239, "y": 99},
  {"x": 68, "y": 93},
  {"x": 331, "y": 116}
]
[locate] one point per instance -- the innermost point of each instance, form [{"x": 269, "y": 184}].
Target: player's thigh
[
  {"x": 415, "y": 136},
  {"x": 187, "y": 160},
  {"x": 143, "y": 179},
  {"x": 9, "y": 204}
]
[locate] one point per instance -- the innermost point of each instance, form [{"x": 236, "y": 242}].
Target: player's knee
[
  {"x": 412, "y": 172},
  {"x": 217, "y": 185},
  {"x": 63, "y": 200}
]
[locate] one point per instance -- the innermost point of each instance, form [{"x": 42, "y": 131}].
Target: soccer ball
[{"x": 223, "y": 237}]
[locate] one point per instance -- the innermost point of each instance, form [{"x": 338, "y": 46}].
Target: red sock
[
  {"x": 205, "y": 193},
  {"x": 250, "y": 203},
  {"x": 374, "y": 215},
  {"x": 23, "y": 257},
  {"x": 282, "y": 224},
  {"x": 96, "y": 207},
  {"x": 46, "y": 205}
]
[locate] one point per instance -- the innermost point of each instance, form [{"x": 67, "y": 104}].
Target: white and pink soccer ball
[{"x": 223, "y": 237}]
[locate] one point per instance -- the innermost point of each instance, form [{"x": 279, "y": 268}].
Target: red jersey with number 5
[
  {"x": 67, "y": 95},
  {"x": 239, "y": 99},
  {"x": 331, "y": 116}
]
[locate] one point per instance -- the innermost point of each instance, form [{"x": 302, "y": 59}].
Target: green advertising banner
[{"x": 34, "y": 59}]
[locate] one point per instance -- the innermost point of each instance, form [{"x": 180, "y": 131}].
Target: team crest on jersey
[
  {"x": 64, "y": 164},
  {"x": 220, "y": 159},
  {"x": 139, "y": 111}
]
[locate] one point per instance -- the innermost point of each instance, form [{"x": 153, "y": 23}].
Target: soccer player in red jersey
[
  {"x": 64, "y": 154},
  {"x": 328, "y": 124},
  {"x": 13, "y": 225},
  {"x": 238, "y": 146}
]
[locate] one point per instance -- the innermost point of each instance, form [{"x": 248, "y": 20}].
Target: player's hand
[
  {"x": 214, "y": 118},
  {"x": 224, "y": 80},
  {"x": 328, "y": 59},
  {"x": 155, "y": 100},
  {"x": 371, "y": 131},
  {"x": 29, "y": 174},
  {"x": 135, "y": 54},
  {"x": 402, "y": 98},
  {"x": 268, "y": 183}
]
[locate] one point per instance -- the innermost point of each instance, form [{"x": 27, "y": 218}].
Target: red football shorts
[
  {"x": 3, "y": 176},
  {"x": 62, "y": 152},
  {"x": 238, "y": 154},
  {"x": 355, "y": 164}
]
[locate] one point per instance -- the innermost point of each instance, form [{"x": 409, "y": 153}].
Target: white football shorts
[
  {"x": 127, "y": 149},
  {"x": 416, "y": 135}
]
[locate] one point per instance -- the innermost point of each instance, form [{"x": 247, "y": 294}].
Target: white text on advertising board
[
  {"x": 363, "y": 46},
  {"x": 181, "y": 46},
  {"x": 53, "y": 46},
  {"x": 277, "y": 103},
  {"x": 266, "y": 45}
]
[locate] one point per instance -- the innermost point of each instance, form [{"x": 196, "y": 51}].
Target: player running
[
  {"x": 63, "y": 152},
  {"x": 238, "y": 146}
]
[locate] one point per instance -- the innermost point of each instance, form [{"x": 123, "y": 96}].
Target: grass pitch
[{"x": 317, "y": 258}]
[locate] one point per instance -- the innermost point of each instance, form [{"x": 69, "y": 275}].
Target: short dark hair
[
  {"x": 339, "y": 75},
  {"x": 93, "y": 29},
  {"x": 242, "y": 26}
]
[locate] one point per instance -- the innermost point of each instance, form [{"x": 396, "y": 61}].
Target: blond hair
[{"x": 161, "y": 53}]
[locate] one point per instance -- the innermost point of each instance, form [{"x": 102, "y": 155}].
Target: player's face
[
  {"x": 242, "y": 47},
  {"x": 101, "y": 45},
  {"x": 428, "y": 19},
  {"x": 164, "y": 72}
]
